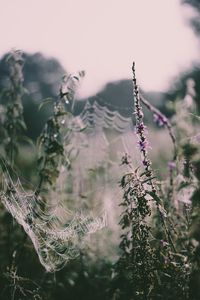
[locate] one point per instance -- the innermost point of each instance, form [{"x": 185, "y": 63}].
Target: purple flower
[
  {"x": 171, "y": 165},
  {"x": 140, "y": 128},
  {"x": 159, "y": 120},
  {"x": 146, "y": 162},
  {"x": 164, "y": 243},
  {"x": 143, "y": 145}
]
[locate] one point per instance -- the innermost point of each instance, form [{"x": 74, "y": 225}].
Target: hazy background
[{"x": 104, "y": 37}]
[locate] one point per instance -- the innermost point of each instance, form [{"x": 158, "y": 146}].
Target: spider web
[
  {"x": 98, "y": 137},
  {"x": 56, "y": 233},
  {"x": 96, "y": 115}
]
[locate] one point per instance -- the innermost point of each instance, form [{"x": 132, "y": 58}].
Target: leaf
[
  {"x": 25, "y": 91},
  {"x": 21, "y": 125},
  {"x": 162, "y": 211},
  {"x": 40, "y": 141},
  {"x": 92, "y": 170},
  {"x": 197, "y": 117},
  {"x": 26, "y": 139},
  {"x": 148, "y": 179},
  {"x": 167, "y": 275},
  {"x": 154, "y": 196},
  {"x": 44, "y": 102},
  {"x": 83, "y": 129},
  {"x": 62, "y": 113},
  {"x": 40, "y": 160}
]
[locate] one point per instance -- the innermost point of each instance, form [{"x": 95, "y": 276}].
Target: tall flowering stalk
[
  {"x": 143, "y": 145},
  {"x": 150, "y": 265},
  {"x": 140, "y": 131},
  {"x": 134, "y": 271}
]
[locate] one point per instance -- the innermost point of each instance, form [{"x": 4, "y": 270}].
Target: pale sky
[{"x": 103, "y": 37}]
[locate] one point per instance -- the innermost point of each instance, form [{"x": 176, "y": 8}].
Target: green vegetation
[{"x": 55, "y": 243}]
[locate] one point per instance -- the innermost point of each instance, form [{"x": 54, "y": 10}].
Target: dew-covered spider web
[
  {"x": 55, "y": 232},
  {"x": 95, "y": 143}
]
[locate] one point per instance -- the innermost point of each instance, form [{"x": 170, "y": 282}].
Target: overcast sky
[{"x": 103, "y": 37}]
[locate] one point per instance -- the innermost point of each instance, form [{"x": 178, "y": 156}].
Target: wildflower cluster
[
  {"x": 156, "y": 254},
  {"x": 140, "y": 130}
]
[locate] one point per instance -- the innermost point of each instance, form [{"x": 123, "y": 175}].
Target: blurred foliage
[
  {"x": 195, "y": 22},
  {"x": 159, "y": 253},
  {"x": 42, "y": 77}
]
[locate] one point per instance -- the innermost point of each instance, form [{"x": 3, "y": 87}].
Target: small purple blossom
[
  {"x": 164, "y": 243},
  {"x": 159, "y": 120},
  {"x": 146, "y": 162},
  {"x": 143, "y": 145},
  {"x": 171, "y": 165},
  {"x": 140, "y": 128}
]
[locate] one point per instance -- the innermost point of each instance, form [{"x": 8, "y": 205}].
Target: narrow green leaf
[{"x": 44, "y": 102}]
